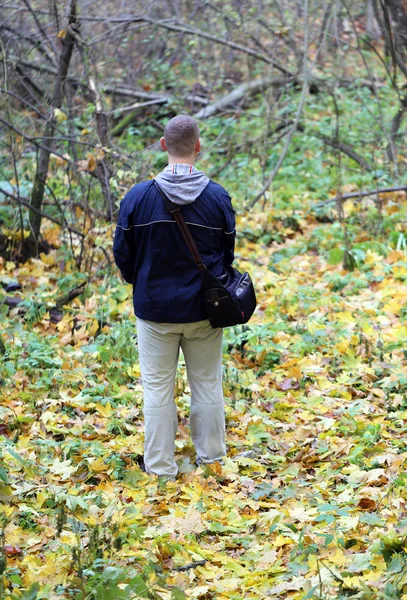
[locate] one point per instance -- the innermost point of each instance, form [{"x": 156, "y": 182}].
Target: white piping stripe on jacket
[
  {"x": 206, "y": 226},
  {"x": 168, "y": 221}
]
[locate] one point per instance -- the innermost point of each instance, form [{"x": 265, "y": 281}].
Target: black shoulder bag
[{"x": 229, "y": 299}]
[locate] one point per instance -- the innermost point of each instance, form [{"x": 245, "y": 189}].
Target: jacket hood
[{"x": 182, "y": 183}]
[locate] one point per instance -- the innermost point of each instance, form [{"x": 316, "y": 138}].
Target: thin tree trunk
[
  {"x": 394, "y": 42},
  {"x": 395, "y": 125},
  {"x": 37, "y": 196},
  {"x": 104, "y": 168},
  {"x": 398, "y": 12},
  {"x": 372, "y": 26}
]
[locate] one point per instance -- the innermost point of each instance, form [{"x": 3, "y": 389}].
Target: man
[{"x": 152, "y": 255}]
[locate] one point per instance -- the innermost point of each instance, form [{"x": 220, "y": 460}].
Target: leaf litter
[{"x": 311, "y": 500}]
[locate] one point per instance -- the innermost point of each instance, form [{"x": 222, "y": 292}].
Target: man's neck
[{"x": 172, "y": 160}]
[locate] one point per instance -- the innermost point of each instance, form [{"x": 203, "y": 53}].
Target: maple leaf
[
  {"x": 62, "y": 468},
  {"x": 191, "y": 522}
]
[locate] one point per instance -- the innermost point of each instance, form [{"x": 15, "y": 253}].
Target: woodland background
[{"x": 302, "y": 107}]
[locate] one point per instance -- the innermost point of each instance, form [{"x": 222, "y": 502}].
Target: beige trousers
[{"x": 159, "y": 345}]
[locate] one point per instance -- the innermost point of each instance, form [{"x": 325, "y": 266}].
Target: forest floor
[{"x": 311, "y": 501}]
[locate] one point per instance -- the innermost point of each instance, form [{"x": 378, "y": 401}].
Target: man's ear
[
  {"x": 198, "y": 145},
  {"x": 163, "y": 144}
]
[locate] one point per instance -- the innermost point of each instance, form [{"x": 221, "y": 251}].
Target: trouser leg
[
  {"x": 202, "y": 348},
  {"x": 158, "y": 353}
]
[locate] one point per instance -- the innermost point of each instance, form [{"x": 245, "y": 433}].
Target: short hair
[{"x": 181, "y": 134}]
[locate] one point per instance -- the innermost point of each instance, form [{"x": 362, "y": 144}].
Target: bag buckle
[
  {"x": 215, "y": 298},
  {"x": 201, "y": 266}
]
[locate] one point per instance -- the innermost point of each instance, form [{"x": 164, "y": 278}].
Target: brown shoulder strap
[{"x": 175, "y": 211}]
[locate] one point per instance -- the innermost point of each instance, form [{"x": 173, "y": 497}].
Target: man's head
[{"x": 181, "y": 138}]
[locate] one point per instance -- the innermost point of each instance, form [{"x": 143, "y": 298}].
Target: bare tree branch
[
  {"x": 26, "y": 203},
  {"x": 217, "y": 40},
  {"x": 36, "y": 43},
  {"x": 346, "y": 149},
  {"x": 37, "y": 22},
  {"x": 188, "y": 30},
  {"x": 360, "y": 195}
]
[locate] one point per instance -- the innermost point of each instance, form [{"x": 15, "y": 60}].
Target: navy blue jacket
[{"x": 152, "y": 255}]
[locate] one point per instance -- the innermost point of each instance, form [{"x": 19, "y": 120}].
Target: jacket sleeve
[
  {"x": 123, "y": 245},
  {"x": 229, "y": 232}
]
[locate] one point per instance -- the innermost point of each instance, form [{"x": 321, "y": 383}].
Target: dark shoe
[{"x": 140, "y": 462}]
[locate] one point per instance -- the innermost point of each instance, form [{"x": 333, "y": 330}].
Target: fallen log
[
  {"x": 130, "y": 93},
  {"x": 245, "y": 89}
]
